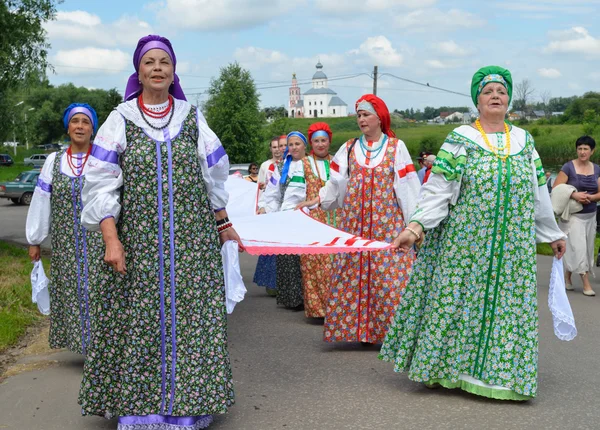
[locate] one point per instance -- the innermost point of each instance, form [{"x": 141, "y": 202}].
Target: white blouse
[
  {"x": 39, "y": 215},
  {"x": 438, "y": 194},
  {"x": 294, "y": 194},
  {"x": 406, "y": 182},
  {"x": 104, "y": 177}
]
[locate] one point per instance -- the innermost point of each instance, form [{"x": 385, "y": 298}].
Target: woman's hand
[
  {"x": 582, "y": 197},
  {"x": 34, "y": 252},
  {"x": 404, "y": 241},
  {"x": 559, "y": 246},
  {"x": 231, "y": 234},
  {"x": 262, "y": 211},
  {"x": 114, "y": 256},
  {"x": 308, "y": 203}
]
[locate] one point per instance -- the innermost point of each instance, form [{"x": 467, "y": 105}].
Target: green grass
[
  {"x": 545, "y": 249},
  {"x": 16, "y": 310},
  {"x": 10, "y": 173}
]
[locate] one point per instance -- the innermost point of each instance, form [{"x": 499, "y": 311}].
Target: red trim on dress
[{"x": 334, "y": 166}]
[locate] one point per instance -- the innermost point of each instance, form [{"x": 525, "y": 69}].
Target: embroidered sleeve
[
  {"x": 39, "y": 214},
  {"x": 406, "y": 181},
  {"x": 214, "y": 162},
  {"x": 296, "y": 189},
  {"x": 451, "y": 158},
  {"x": 333, "y": 193},
  {"x": 104, "y": 178}
]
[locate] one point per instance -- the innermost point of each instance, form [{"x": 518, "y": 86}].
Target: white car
[{"x": 36, "y": 160}]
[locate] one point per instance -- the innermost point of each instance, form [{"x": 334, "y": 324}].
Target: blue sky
[{"x": 553, "y": 44}]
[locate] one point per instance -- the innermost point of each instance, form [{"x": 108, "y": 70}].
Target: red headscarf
[
  {"x": 382, "y": 112},
  {"x": 319, "y": 126}
]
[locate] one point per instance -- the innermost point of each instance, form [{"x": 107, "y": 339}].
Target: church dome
[{"x": 319, "y": 73}]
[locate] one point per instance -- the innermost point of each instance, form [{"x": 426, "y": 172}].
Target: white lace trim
[
  {"x": 131, "y": 112},
  {"x": 202, "y": 423},
  {"x": 562, "y": 315}
]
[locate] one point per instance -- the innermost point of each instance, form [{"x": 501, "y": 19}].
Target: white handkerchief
[
  {"x": 235, "y": 290},
  {"x": 39, "y": 288},
  {"x": 562, "y": 315}
]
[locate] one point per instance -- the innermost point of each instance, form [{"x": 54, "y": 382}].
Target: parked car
[
  {"x": 6, "y": 160},
  {"x": 20, "y": 191},
  {"x": 36, "y": 160},
  {"x": 242, "y": 168}
]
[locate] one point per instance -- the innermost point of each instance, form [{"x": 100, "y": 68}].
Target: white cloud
[
  {"x": 447, "y": 64},
  {"x": 451, "y": 48},
  {"x": 91, "y": 61},
  {"x": 78, "y": 27},
  {"x": 252, "y": 57},
  {"x": 343, "y": 7},
  {"x": 594, "y": 76},
  {"x": 223, "y": 14},
  {"x": 379, "y": 50},
  {"x": 577, "y": 40},
  {"x": 426, "y": 19},
  {"x": 549, "y": 73},
  {"x": 573, "y": 6}
]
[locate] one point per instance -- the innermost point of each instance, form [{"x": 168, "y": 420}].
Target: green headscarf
[{"x": 488, "y": 74}]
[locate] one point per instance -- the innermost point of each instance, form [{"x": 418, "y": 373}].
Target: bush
[
  {"x": 429, "y": 144},
  {"x": 535, "y": 132}
]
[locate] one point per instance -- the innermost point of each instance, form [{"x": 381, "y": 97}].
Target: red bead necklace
[
  {"x": 83, "y": 161},
  {"x": 152, "y": 113}
]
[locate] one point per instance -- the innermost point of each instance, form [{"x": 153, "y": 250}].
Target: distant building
[{"x": 318, "y": 102}]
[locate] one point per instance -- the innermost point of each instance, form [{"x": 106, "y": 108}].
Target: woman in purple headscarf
[{"x": 158, "y": 356}]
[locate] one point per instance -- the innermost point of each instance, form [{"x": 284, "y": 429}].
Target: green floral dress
[
  {"x": 469, "y": 313},
  {"x": 160, "y": 342}
]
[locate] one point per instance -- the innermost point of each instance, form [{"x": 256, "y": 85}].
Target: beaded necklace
[
  {"x": 83, "y": 161},
  {"x": 495, "y": 149},
  {"x": 364, "y": 148},
  {"x": 144, "y": 109}
]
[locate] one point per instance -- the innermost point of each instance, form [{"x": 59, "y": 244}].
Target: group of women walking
[{"x": 136, "y": 211}]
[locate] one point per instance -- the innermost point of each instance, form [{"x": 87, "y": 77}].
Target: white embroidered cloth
[
  {"x": 562, "y": 315},
  {"x": 287, "y": 232},
  {"x": 39, "y": 288}
]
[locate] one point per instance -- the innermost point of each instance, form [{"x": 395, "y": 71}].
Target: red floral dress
[
  {"x": 367, "y": 286},
  {"x": 317, "y": 270}
]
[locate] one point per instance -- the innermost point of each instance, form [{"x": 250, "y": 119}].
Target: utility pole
[{"x": 375, "y": 80}]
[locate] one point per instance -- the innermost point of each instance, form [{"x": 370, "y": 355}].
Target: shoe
[
  {"x": 569, "y": 286},
  {"x": 589, "y": 293}
]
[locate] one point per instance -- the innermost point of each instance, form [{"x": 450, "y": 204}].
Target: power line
[{"x": 425, "y": 85}]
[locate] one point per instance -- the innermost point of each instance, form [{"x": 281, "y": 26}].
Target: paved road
[{"x": 287, "y": 378}]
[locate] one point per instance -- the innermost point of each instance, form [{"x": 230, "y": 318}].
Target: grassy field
[
  {"x": 10, "y": 173},
  {"x": 16, "y": 310},
  {"x": 555, "y": 143}
]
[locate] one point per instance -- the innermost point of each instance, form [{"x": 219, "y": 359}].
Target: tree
[
  {"x": 23, "y": 46},
  {"x": 232, "y": 112},
  {"x": 523, "y": 93}
]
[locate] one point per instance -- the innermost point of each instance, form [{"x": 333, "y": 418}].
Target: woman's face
[
  {"x": 156, "y": 70},
  {"x": 320, "y": 146},
  {"x": 584, "y": 152},
  {"x": 80, "y": 129},
  {"x": 493, "y": 100},
  {"x": 253, "y": 169},
  {"x": 369, "y": 123},
  {"x": 296, "y": 147}
]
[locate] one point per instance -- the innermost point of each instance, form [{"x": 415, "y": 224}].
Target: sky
[{"x": 553, "y": 43}]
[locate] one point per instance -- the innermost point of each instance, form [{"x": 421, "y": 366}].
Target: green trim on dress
[{"x": 492, "y": 393}]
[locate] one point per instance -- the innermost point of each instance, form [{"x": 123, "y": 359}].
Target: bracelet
[
  {"x": 222, "y": 221},
  {"x": 222, "y": 228},
  {"x": 413, "y": 232}
]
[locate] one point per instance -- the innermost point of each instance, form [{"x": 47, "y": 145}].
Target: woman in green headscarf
[{"x": 468, "y": 318}]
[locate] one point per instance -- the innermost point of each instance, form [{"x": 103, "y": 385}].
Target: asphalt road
[{"x": 286, "y": 377}]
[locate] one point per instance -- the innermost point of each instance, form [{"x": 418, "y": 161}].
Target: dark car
[
  {"x": 6, "y": 160},
  {"x": 20, "y": 191}
]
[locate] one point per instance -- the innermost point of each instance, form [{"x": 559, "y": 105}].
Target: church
[{"x": 318, "y": 102}]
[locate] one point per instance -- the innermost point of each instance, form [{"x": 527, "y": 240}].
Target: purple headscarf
[{"x": 145, "y": 44}]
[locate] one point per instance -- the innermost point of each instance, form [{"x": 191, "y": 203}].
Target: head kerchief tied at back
[
  {"x": 287, "y": 157},
  {"x": 489, "y": 74},
  {"x": 84, "y": 108},
  {"x": 319, "y": 127},
  {"x": 145, "y": 44},
  {"x": 379, "y": 108}
]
